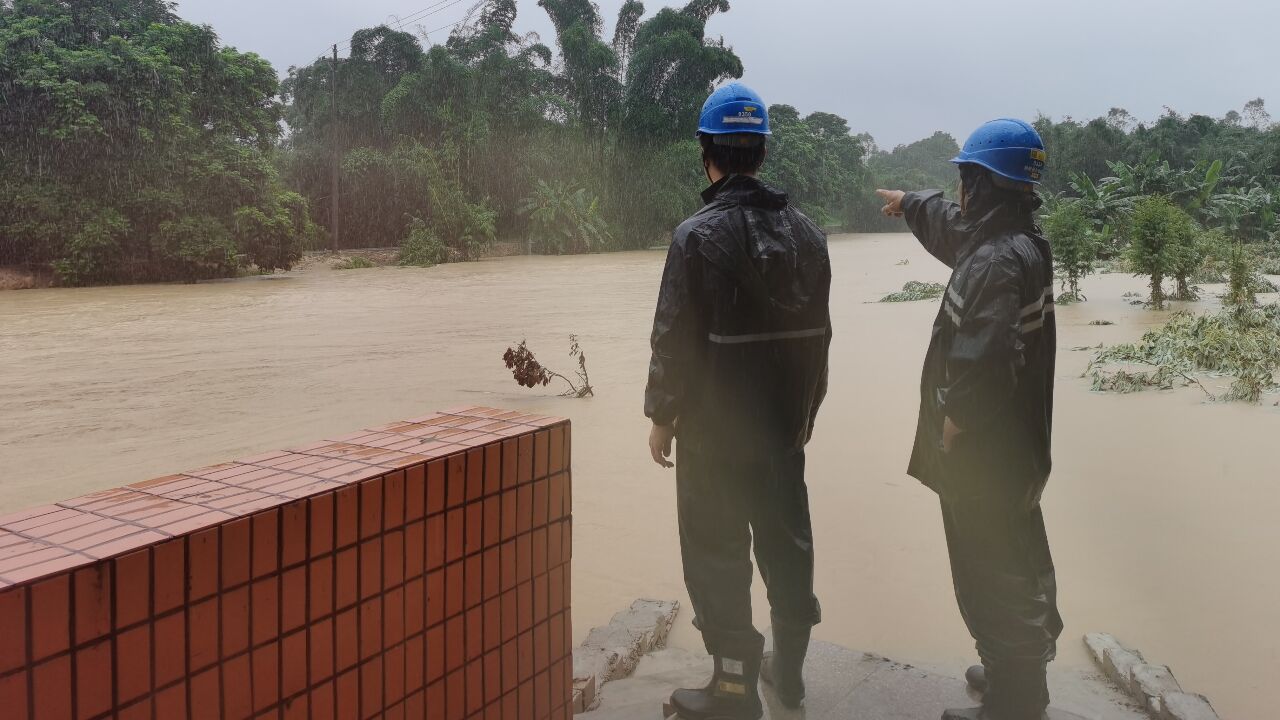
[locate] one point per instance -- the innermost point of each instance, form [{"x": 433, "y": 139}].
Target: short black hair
[{"x": 734, "y": 154}]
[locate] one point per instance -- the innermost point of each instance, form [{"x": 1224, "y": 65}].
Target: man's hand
[
  {"x": 950, "y": 431},
  {"x": 892, "y": 202},
  {"x": 660, "y": 438}
]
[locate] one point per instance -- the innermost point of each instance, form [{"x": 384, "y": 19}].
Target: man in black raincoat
[
  {"x": 739, "y": 368},
  {"x": 986, "y": 411}
]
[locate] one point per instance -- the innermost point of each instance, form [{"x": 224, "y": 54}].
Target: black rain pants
[
  {"x": 725, "y": 503},
  {"x": 1005, "y": 584}
]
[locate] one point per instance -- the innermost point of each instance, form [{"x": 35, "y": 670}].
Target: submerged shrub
[
  {"x": 355, "y": 262},
  {"x": 423, "y": 247},
  {"x": 916, "y": 290},
  {"x": 1240, "y": 342}
]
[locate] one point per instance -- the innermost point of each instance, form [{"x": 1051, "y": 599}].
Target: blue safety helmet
[
  {"x": 735, "y": 109},
  {"x": 1009, "y": 148}
]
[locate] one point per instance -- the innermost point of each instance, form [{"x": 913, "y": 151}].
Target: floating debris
[
  {"x": 1242, "y": 343},
  {"x": 916, "y": 290}
]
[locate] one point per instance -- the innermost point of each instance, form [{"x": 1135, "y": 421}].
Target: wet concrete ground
[{"x": 844, "y": 684}]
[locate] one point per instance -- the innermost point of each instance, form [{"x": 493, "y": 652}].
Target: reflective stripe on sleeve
[
  {"x": 955, "y": 317},
  {"x": 1032, "y": 317}
]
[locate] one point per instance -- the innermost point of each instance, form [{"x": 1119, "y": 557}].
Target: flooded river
[{"x": 1162, "y": 510}]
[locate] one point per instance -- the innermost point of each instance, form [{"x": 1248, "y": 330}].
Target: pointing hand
[{"x": 892, "y": 202}]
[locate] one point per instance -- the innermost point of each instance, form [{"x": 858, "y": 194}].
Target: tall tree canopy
[{"x": 133, "y": 146}]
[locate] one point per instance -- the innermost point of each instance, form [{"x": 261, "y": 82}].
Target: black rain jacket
[
  {"x": 990, "y": 365},
  {"x": 742, "y": 329}
]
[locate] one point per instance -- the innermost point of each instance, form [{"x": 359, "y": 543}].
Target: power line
[
  {"x": 419, "y": 15},
  {"x": 447, "y": 27},
  {"x": 416, "y": 16}
]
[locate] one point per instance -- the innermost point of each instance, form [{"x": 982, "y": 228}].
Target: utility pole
[{"x": 333, "y": 138}]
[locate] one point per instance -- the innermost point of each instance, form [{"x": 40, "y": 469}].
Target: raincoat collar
[{"x": 745, "y": 190}]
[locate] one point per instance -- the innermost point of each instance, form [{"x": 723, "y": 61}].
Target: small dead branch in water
[
  {"x": 530, "y": 373},
  {"x": 1101, "y": 322},
  {"x": 916, "y": 290}
]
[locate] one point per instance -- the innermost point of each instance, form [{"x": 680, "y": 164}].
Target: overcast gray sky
[{"x": 897, "y": 70}]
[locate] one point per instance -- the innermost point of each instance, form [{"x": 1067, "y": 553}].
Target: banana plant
[
  {"x": 1104, "y": 202},
  {"x": 1204, "y": 191},
  {"x": 1246, "y": 213}
]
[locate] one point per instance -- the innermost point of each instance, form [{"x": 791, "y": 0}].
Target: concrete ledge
[
  {"x": 613, "y": 651},
  {"x": 1186, "y": 706},
  {"x": 1154, "y": 686},
  {"x": 1150, "y": 683}
]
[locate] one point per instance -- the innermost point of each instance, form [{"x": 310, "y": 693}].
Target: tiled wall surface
[{"x": 418, "y": 570}]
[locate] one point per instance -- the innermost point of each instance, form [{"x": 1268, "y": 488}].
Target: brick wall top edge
[{"x": 49, "y": 539}]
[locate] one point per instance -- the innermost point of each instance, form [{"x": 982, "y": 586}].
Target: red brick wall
[{"x": 418, "y": 570}]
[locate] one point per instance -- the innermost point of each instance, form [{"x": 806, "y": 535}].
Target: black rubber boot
[
  {"x": 784, "y": 667},
  {"x": 976, "y": 676},
  {"x": 732, "y": 694}
]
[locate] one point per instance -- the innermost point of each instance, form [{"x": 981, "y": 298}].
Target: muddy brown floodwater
[{"x": 1162, "y": 509}]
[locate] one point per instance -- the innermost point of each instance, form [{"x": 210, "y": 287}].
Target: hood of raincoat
[{"x": 992, "y": 205}]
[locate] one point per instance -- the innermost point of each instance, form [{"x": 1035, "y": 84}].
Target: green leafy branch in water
[
  {"x": 916, "y": 290},
  {"x": 1241, "y": 342},
  {"x": 355, "y": 262},
  {"x": 528, "y": 372}
]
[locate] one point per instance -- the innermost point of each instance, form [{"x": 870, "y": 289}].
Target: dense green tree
[
  {"x": 590, "y": 80},
  {"x": 819, "y": 163},
  {"x": 672, "y": 68},
  {"x": 136, "y": 147},
  {"x": 923, "y": 164},
  {"x": 134, "y": 144},
  {"x": 379, "y": 58}
]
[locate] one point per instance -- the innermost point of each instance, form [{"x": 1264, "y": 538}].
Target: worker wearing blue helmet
[
  {"x": 739, "y": 369},
  {"x": 986, "y": 410}
]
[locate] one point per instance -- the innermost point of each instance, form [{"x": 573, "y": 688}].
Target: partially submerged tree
[
  {"x": 1159, "y": 233},
  {"x": 1075, "y": 247},
  {"x": 1242, "y": 277},
  {"x": 1187, "y": 255}
]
